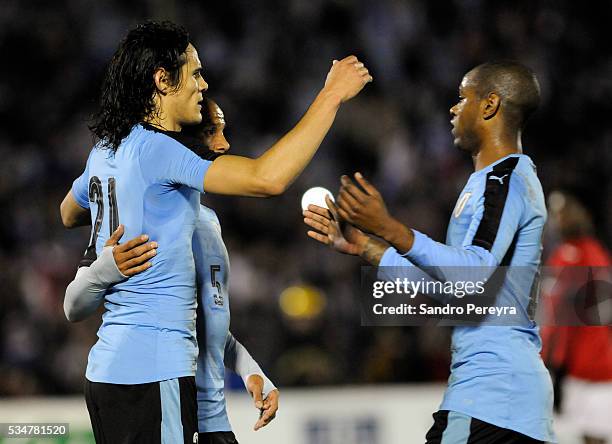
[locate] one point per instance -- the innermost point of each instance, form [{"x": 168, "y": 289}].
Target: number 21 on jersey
[{"x": 96, "y": 196}]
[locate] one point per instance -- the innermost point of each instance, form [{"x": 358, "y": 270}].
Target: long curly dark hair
[{"x": 128, "y": 86}]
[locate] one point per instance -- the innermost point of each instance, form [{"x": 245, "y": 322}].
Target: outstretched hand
[
  {"x": 363, "y": 206},
  {"x": 133, "y": 256},
  {"x": 329, "y": 230}
]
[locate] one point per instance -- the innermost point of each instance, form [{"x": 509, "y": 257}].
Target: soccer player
[
  {"x": 140, "y": 382},
  {"x": 580, "y": 357},
  {"x": 499, "y": 390},
  {"x": 216, "y": 343}
]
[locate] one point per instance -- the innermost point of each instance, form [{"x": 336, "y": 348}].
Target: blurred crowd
[{"x": 265, "y": 62}]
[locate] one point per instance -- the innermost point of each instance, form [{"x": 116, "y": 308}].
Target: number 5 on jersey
[{"x": 215, "y": 283}]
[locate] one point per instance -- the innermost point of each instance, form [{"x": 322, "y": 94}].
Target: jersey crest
[{"x": 461, "y": 204}]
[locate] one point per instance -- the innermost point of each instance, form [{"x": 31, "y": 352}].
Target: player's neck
[
  {"x": 162, "y": 119},
  {"x": 495, "y": 147},
  {"x": 162, "y": 124}
]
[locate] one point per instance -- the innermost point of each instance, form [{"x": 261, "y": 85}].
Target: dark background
[{"x": 265, "y": 62}]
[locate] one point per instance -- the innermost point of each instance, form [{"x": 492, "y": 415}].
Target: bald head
[{"x": 515, "y": 84}]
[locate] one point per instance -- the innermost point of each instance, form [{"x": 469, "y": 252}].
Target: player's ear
[
  {"x": 160, "y": 77},
  {"x": 491, "y": 106}
]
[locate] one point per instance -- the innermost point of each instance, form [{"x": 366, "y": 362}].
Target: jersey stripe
[
  {"x": 496, "y": 192},
  {"x": 171, "y": 427},
  {"x": 457, "y": 429}
]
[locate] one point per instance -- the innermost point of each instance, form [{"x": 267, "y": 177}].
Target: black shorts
[
  {"x": 217, "y": 438},
  {"x": 462, "y": 429},
  {"x": 143, "y": 413}
]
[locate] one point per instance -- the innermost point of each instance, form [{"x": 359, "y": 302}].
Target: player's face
[
  {"x": 464, "y": 117},
  {"x": 185, "y": 103},
  {"x": 213, "y": 136}
]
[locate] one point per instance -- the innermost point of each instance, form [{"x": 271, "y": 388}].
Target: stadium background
[{"x": 264, "y": 62}]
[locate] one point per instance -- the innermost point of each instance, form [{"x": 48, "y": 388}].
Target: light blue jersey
[
  {"x": 212, "y": 263},
  {"x": 151, "y": 185},
  {"x": 497, "y": 374}
]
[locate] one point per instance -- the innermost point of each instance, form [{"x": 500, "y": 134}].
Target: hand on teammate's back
[
  {"x": 133, "y": 256},
  {"x": 267, "y": 407},
  {"x": 347, "y": 77},
  {"x": 332, "y": 231}
]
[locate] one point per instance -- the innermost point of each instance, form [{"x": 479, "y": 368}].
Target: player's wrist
[
  {"x": 384, "y": 226},
  {"x": 105, "y": 269},
  {"x": 398, "y": 235},
  {"x": 361, "y": 244},
  {"x": 254, "y": 377},
  {"x": 364, "y": 248},
  {"x": 330, "y": 96}
]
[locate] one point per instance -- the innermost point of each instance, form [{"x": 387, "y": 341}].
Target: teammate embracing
[
  {"x": 218, "y": 347},
  {"x": 499, "y": 390},
  {"x": 140, "y": 373}
]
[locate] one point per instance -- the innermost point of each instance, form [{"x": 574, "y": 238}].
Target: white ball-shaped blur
[{"x": 316, "y": 196}]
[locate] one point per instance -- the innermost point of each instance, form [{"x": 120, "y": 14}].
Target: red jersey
[{"x": 585, "y": 352}]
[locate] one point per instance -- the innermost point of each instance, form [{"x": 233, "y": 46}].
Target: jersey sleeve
[
  {"x": 240, "y": 361},
  {"x": 165, "y": 160},
  {"x": 86, "y": 292},
  {"x": 80, "y": 187},
  {"x": 395, "y": 266},
  {"x": 490, "y": 235},
  {"x": 391, "y": 258}
]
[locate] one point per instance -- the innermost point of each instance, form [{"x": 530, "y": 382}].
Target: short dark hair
[
  {"x": 515, "y": 83},
  {"x": 128, "y": 87}
]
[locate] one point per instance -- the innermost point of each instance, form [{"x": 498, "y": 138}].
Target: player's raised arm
[{"x": 272, "y": 172}]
